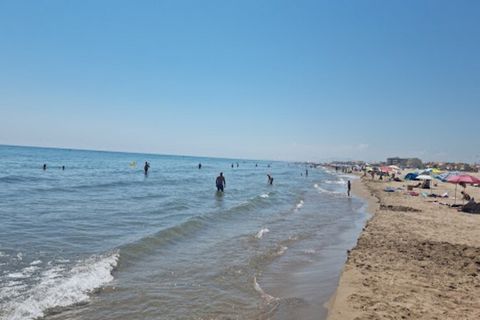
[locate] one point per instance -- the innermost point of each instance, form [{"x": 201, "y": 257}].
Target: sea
[{"x": 99, "y": 239}]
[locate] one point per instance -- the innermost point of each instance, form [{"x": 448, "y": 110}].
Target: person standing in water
[
  {"x": 270, "y": 179},
  {"x": 146, "y": 167},
  {"x": 220, "y": 182},
  {"x": 349, "y": 188},
  {"x": 306, "y": 172},
  {"x": 44, "y": 166},
  {"x": 199, "y": 166}
]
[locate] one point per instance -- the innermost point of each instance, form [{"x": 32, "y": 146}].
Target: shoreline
[
  {"x": 359, "y": 190},
  {"x": 414, "y": 259}
]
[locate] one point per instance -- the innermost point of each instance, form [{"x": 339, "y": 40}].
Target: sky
[{"x": 279, "y": 80}]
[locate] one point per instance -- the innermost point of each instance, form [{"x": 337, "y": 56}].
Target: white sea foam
[
  {"x": 30, "y": 270},
  {"x": 281, "y": 250},
  {"x": 341, "y": 181},
  {"x": 268, "y": 298},
  {"x": 299, "y": 205},
  {"x": 322, "y": 190},
  {"x": 61, "y": 289},
  {"x": 261, "y": 233},
  {"x": 16, "y": 275},
  {"x": 264, "y": 195},
  {"x": 36, "y": 262},
  {"x": 62, "y": 260},
  {"x": 309, "y": 251}
]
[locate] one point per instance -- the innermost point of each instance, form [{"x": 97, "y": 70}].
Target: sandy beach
[{"x": 415, "y": 259}]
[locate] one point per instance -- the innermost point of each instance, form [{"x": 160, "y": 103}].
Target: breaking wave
[{"x": 59, "y": 288}]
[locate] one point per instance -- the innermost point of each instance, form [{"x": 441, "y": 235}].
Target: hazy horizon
[{"x": 323, "y": 160}]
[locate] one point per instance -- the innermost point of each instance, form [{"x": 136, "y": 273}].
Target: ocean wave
[
  {"x": 299, "y": 205},
  {"x": 17, "y": 178},
  {"x": 266, "y": 297},
  {"x": 91, "y": 186},
  {"x": 264, "y": 195},
  {"x": 261, "y": 260},
  {"x": 309, "y": 251},
  {"x": 341, "y": 181},
  {"x": 260, "y": 233},
  {"x": 162, "y": 237},
  {"x": 281, "y": 250},
  {"x": 322, "y": 190},
  {"x": 58, "y": 289}
]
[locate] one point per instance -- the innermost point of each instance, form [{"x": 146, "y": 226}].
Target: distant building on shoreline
[
  {"x": 405, "y": 162},
  {"x": 453, "y": 166}
]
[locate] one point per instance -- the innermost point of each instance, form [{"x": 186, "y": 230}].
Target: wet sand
[{"x": 415, "y": 259}]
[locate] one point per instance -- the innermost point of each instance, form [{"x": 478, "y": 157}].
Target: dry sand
[{"x": 415, "y": 259}]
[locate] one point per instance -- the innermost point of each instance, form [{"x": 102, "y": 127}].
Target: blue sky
[{"x": 290, "y": 80}]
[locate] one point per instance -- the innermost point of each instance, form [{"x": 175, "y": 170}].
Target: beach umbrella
[
  {"x": 411, "y": 176},
  {"x": 436, "y": 171},
  {"x": 425, "y": 177},
  {"x": 385, "y": 169},
  {"x": 462, "y": 178},
  {"x": 425, "y": 171}
]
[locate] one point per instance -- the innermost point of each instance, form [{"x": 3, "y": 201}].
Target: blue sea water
[{"x": 100, "y": 240}]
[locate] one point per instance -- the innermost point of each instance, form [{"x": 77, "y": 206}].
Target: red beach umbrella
[
  {"x": 462, "y": 178},
  {"x": 385, "y": 169}
]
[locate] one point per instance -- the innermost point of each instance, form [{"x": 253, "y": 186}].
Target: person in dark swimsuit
[
  {"x": 220, "y": 182},
  {"x": 146, "y": 167},
  {"x": 270, "y": 179}
]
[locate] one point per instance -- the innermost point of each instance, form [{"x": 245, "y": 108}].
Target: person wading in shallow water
[
  {"x": 146, "y": 167},
  {"x": 220, "y": 182},
  {"x": 349, "y": 188},
  {"x": 270, "y": 179}
]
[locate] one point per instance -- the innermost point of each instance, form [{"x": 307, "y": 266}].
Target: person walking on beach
[
  {"x": 270, "y": 179},
  {"x": 146, "y": 167},
  {"x": 220, "y": 182},
  {"x": 349, "y": 188}
]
